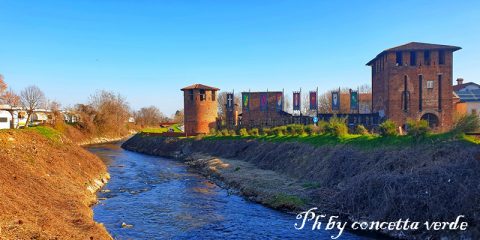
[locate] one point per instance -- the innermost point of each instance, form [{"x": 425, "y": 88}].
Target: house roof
[
  {"x": 469, "y": 95},
  {"x": 199, "y": 86},
  {"x": 459, "y": 87},
  {"x": 416, "y": 46}
]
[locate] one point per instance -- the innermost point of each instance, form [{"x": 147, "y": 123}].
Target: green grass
[
  {"x": 361, "y": 141},
  {"x": 286, "y": 201},
  {"x": 161, "y": 129},
  {"x": 47, "y": 132}
]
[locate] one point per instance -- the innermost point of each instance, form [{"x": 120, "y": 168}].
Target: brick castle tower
[
  {"x": 200, "y": 109},
  {"x": 414, "y": 81}
]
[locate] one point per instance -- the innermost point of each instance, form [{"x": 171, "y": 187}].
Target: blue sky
[{"x": 147, "y": 50}]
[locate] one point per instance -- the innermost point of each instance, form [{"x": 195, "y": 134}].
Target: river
[{"x": 161, "y": 199}]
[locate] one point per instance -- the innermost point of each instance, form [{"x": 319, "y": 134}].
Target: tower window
[
  {"x": 399, "y": 59},
  {"x": 420, "y": 89},
  {"x": 405, "y": 94},
  {"x": 441, "y": 57},
  {"x": 430, "y": 84},
  {"x": 214, "y": 95},
  {"x": 439, "y": 92},
  {"x": 202, "y": 95},
  {"x": 426, "y": 57},
  {"x": 190, "y": 94},
  {"x": 413, "y": 58}
]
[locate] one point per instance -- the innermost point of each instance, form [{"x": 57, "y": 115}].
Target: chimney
[{"x": 459, "y": 81}]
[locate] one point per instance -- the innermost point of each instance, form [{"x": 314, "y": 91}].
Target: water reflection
[{"x": 163, "y": 200}]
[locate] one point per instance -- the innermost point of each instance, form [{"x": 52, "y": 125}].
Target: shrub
[
  {"x": 388, "y": 128},
  {"x": 362, "y": 130},
  {"x": 213, "y": 131},
  {"x": 243, "y": 132},
  {"x": 320, "y": 128},
  {"x": 225, "y": 132},
  {"x": 266, "y": 131},
  {"x": 417, "y": 129},
  {"x": 254, "y": 132},
  {"x": 279, "y": 131},
  {"x": 290, "y": 130},
  {"x": 294, "y": 129},
  {"x": 309, "y": 129},
  {"x": 467, "y": 123},
  {"x": 299, "y": 129},
  {"x": 232, "y": 132},
  {"x": 337, "y": 127}
]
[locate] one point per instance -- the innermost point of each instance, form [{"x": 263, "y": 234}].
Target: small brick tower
[
  {"x": 414, "y": 81},
  {"x": 201, "y": 109}
]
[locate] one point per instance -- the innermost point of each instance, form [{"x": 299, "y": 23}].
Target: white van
[{"x": 5, "y": 119}]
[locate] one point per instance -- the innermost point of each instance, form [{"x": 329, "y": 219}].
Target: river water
[{"x": 162, "y": 199}]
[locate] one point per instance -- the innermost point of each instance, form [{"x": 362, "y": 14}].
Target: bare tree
[
  {"x": 112, "y": 113},
  {"x": 31, "y": 98},
  {"x": 178, "y": 116},
  {"x": 13, "y": 100},
  {"x": 149, "y": 116},
  {"x": 3, "y": 85}
]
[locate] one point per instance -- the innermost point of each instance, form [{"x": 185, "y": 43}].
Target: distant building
[
  {"x": 268, "y": 113},
  {"x": 467, "y": 97},
  {"x": 200, "y": 109},
  {"x": 414, "y": 81}
]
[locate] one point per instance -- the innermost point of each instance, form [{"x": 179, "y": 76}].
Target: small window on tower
[
  {"x": 399, "y": 59},
  {"x": 202, "y": 95},
  {"x": 214, "y": 95},
  {"x": 413, "y": 58},
  {"x": 190, "y": 94},
  {"x": 430, "y": 84},
  {"x": 441, "y": 57},
  {"x": 426, "y": 57}
]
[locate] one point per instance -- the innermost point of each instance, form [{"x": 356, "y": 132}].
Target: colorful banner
[
  {"x": 263, "y": 102},
  {"x": 279, "y": 101},
  {"x": 313, "y": 100},
  {"x": 246, "y": 101},
  {"x": 230, "y": 101},
  {"x": 335, "y": 101},
  {"x": 296, "y": 101},
  {"x": 353, "y": 100}
]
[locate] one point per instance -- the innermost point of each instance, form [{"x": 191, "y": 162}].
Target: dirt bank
[
  {"x": 425, "y": 182},
  {"x": 47, "y": 187}
]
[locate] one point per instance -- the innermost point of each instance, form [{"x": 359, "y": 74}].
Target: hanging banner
[
  {"x": 335, "y": 101},
  {"x": 279, "y": 101},
  {"x": 296, "y": 101},
  {"x": 313, "y": 100},
  {"x": 246, "y": 101},
  {"x": 263, "y": 102},
  {"x": 230, "y": 102},
  {"x": 353, "y": 100}
]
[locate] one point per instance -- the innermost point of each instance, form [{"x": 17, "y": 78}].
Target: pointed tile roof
[
  {"x": 416, "y": 46},
  {"x": 199, "y": 86}
]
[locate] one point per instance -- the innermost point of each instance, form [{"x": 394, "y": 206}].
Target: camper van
[{"x": 5, "y": 119}]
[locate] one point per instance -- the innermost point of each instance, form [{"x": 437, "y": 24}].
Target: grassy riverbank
[
  {"x": 363, "y": 141},
  {"x": 424, "y": 180},
  {"x": 48, "y": 185}
]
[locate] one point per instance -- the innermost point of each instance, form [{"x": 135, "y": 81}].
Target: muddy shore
[{"x": 425, "y": 182}]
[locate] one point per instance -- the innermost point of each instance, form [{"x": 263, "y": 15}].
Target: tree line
[{"x": 105, "y": 112}]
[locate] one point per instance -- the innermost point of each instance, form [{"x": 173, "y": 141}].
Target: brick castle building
[
  {"x": 414, "y": 81},
  {"x": 200, "y": 109},
  {"x": 268, "y": 114}
]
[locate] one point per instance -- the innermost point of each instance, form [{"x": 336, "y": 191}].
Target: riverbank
[
  {"x": 423, "y": 182},
  {"x": 48, "y": 184}
]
